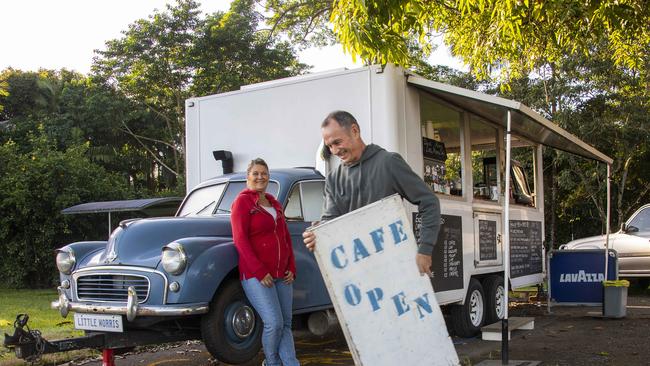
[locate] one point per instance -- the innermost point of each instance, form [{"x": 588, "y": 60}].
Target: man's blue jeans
[{"x": 274, "y": 306}]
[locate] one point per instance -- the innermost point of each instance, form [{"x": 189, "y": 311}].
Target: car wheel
[
  {"x": 468, "y": 318},
  {"x": 494, "y": 299},
  {"x": 232, "y": 329}
]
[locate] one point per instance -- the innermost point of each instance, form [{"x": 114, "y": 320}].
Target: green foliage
[
  {"x": 36, "y": 303},
  {"x": 230, "y": 51},
  {"x": 507, "y": 39},
  {"x": 36, "y": 186},
  {"x": 512, "y": 37},
  {"x": 305, "y": 22},
  {"x": 447, "y": 75},
  {"x": 605, "y": 107},
  {"x": 177, "y": 54},
  {"x": 67, "y": 138}
]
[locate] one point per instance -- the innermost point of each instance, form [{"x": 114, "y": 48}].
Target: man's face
[{"x": 344, "y": 143}]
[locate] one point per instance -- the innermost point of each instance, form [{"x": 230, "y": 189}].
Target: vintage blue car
[{"x": 172, "y": 278}]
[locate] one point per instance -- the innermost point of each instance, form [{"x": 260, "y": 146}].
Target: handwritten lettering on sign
[{"x": 353, "y": 294}]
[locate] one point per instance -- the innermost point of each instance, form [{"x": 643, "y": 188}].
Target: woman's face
[{"x": 257, "y": 178}]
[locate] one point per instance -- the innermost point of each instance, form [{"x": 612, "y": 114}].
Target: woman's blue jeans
[{"x": 274, "y": 306}]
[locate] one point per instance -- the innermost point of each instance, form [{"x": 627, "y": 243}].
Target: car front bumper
[{"x": 131, "y": 309}]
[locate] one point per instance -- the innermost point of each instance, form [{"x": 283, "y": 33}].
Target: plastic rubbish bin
[{"x": 615, "y": 300}]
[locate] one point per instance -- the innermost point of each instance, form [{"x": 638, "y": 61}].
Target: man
[{"x": 368, "y": 174}]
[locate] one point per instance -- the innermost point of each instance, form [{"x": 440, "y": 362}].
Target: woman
[{"x": 266, "y": 263}]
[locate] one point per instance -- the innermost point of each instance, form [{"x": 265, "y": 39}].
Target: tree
[
  {"x": 28, "y": 93},
  {"x": 152, "y": 66},
  {"x": 3, "y": 92},
  {"x": 511, "y": 37},
  {"x": 605, "y": 107},
  {"x": 176, "y": 54},
  {"x": 34, "y": 188},
  {"x": 232, "y": 51}
]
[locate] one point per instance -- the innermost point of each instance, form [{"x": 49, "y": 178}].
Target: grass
[{"x": 36, "y": 303}]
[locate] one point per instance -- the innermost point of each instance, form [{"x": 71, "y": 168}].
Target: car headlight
[
  {"x": 65, "y": 260},
  {"x": 174, "y": 258}
]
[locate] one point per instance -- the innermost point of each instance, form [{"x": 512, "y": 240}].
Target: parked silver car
[{"x": 632, "y": 243}]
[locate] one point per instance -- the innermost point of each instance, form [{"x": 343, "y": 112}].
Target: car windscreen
[
  {"x": 640, "y": 222},
  {"x": 203, "y": 201}
]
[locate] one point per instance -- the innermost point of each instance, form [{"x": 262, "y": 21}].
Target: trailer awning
[
  {"x": 525, "y": 122},
  {"x": 165, "y": 206}
]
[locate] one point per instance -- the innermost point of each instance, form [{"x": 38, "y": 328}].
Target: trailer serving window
[
  {"x": 441, "y": 146},
  {"x": 522, "y": 172},
  {"x": 487, "y": 172}
]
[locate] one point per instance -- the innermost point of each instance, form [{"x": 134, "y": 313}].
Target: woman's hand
[
  {"x": 267, "y": 281},
  {"x": 289, "y": 277}
]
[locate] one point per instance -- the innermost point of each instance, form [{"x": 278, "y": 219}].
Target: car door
[
  {"x": 303, "y": 207},
  {"x": 633, "y": 247}
]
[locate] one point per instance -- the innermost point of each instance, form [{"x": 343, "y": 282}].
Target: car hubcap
[
  {"x": 243, "y": 321},
  {"x": 500, "y": 302},
  {"x": 476, "y": 308}
]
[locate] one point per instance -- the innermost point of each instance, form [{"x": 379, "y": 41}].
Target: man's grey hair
[{"x": 343, "y": 118}]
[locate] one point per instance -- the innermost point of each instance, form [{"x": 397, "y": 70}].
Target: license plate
[{"x": 99, "y": 322}]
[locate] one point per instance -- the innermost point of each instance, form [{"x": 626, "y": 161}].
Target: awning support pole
[
  {"x": 607, "y": 230},
  {"x": 506, "y": 250}
]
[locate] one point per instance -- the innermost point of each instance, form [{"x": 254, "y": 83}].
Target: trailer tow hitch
[{"x": 30, "y": 339}]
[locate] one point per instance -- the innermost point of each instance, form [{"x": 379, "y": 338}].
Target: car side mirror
[{"x": 623, "y": 228}]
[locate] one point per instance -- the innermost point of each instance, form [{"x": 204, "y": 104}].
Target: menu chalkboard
[
  {"x": 447, "y": 254},
  {"x": 433, "y": 149},
  {"x": 525, "y": 248},
  {"x": 487, "y": 240}
]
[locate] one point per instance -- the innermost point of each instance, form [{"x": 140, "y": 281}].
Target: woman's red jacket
[{"x": 263, "y": 244}]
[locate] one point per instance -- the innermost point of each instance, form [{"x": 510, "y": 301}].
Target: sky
[{"x": 56, "y": 34}]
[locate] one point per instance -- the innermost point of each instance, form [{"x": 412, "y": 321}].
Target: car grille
[{"x": 111, "y": 287}]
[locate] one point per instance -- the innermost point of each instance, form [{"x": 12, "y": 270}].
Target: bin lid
[{"x": 617, "y": 283}]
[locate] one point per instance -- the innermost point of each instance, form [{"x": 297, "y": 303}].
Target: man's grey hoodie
[{"x": 379, "y": 174}]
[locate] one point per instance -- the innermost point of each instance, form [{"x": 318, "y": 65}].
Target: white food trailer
[{"x": 454, "y": 138}]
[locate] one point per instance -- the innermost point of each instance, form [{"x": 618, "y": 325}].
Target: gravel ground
[{"x": 566, "y": 336}]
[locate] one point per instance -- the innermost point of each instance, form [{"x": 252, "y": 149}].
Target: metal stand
[
  {"x": 504, "y": 341},
  {"x": 108, "y": 357}
]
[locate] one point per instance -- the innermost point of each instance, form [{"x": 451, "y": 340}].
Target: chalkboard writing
[
  {"x": 487, "y": 240},
  {"x": 433, "y": 149},
  {"x": 525, "y": 248},
  {"x": 447, "y": 254}
]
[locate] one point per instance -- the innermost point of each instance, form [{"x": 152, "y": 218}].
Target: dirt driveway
[{"x": 567, "y": 336}]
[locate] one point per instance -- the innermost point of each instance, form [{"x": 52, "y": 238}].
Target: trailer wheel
[
  {"x": 494, "y": 299},
  {"x": 232, "y": 329},
  {"x": 468, "y": 318}
]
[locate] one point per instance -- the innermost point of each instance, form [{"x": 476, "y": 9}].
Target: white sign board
[
  {"x": 388, "y": 312},
  {"x": 98, "y": 322}
]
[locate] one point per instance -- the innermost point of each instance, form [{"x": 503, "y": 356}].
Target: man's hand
[
  {"x": 267, "y": 281},
  {"x": 309, "y": 238},
  {"x": 423, "y": 262}
]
